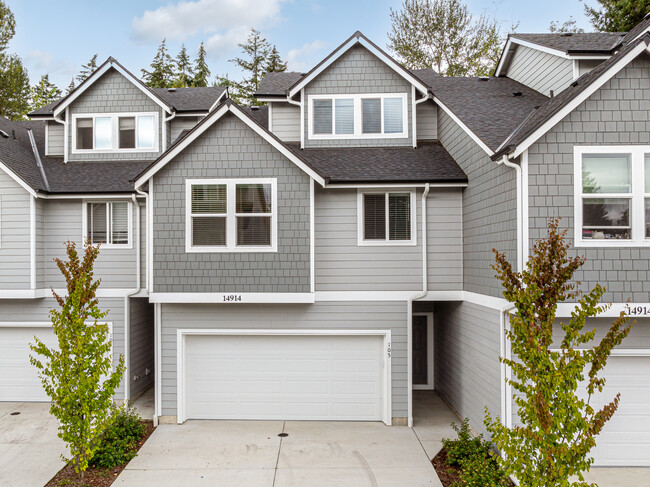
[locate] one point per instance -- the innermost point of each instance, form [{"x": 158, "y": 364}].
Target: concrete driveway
[
  {"x": 245, "y": 453},
  {"x": 30, "y": 451}
]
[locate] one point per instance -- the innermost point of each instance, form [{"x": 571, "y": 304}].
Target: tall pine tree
[
  {"x": 70, "y": 87},
  {"x": 44, "y": 93},
  {"x": 617, "y": 15},
  {"x": 162, "y": 69},
  {"x": 14, "y": 80},
  {"x": 87, "y": 69},
  {"x": 201, "y": 70},
  {"x": 184, "y": 71},
  {"x": 274, "y": 63},
  {"x": 255, "y": 55}
]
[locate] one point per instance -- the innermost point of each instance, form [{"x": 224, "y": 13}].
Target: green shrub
[
  {"x": 120, "y": 440},
  {"x": 465, "y": 447},
  {"x": 481, "y": 471}
]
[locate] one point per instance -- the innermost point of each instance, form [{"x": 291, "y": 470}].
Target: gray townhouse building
[{"x": 321, "y": 257}]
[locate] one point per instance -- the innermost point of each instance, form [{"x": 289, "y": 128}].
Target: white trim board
[
  {"x": 181, "y": 333},
  {"x": 232, "y": 298},
  {"x": 204, "y": 125}
]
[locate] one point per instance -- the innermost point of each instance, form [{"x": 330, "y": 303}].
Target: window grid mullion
[
  {"x": 387, "y": 216},
  {"x": 231, "y": 219},
  {"x": 109, "y": 239}
]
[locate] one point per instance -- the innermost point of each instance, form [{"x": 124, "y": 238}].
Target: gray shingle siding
[
  {"x": 113, "y": 93},
  {"x": 539, "y": 70},
  {"x": 179, "y": 124},
  {"x": 489, "y": 208},
  {"x": 14, "y": 234},
  {"x": 466, "y": 353},
  {"x": 331, "y": 315},
  {"x": 357, "y": 71},
  {"x": 617, "y": 113},
  {"x": 230, "y": 149}
]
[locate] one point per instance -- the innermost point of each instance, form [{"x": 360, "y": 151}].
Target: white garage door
[
  {"x": 18, "y": 378},
  {"x": 625, "y": 440},
  {"x": 284, "y": 377}
]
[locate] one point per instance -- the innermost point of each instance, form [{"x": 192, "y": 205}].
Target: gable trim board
[
  {"x": 108, "y": 64},
  {"x": 356, "y": 38},
  {"x": 512, "y": 152},
  {"x": 205, "y": 124},
  {"x": 181, "y": 349}
]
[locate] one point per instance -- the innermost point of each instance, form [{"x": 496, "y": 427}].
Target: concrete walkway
[{"x": 30, "y": 451}]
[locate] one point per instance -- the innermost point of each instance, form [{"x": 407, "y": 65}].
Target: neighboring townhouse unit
[{"x": 321, "y": 257}]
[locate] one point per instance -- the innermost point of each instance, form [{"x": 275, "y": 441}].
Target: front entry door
[{"x": 421, "y": 350}]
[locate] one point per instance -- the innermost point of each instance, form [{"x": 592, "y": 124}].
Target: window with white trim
[
  {"x": 107, "y": 223},
  {"x": 115, "y": 132},
  {"x": 612, "y": 195},
  {"x": 386, "y": 217},
  {"x": 231, "y": 215},
  {"x": 358, "y": 116}
]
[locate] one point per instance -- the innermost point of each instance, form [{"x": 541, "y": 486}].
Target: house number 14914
[{"x": 232, "y": 298}]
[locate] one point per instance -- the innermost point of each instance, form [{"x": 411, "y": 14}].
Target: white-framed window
[
  {"x": 107, "y": 223},
  {"x": 231, "y": 215},
  {"x": 359, "y": 116},
  {"x": 115, "y": 132},
  {"x": 612, "y": 196},
  {"x": 386, "y": 217}
]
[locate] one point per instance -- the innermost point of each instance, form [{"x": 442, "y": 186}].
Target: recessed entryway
[{"x": 422, "y": 351}]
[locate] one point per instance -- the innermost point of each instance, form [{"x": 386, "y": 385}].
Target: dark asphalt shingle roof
[
  {"x": 546, "y": 111},
  {"x": 259, "y": 114},
  {"x": 430, "y": 162},
  {"x": 18, "y": 155},
  {"x": 190, "y": 99},
  {"x": 488, "y": 108},
  {"x": 276, "y": 84},
  {"x": 575, "y": 42}
]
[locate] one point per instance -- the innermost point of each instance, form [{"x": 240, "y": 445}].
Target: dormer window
[
  {"x": 115, "y": 132},
  {"x": 358, "y": 116}
]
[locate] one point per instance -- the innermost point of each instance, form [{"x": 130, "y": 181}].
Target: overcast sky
[{"x": 56, "y": 37}]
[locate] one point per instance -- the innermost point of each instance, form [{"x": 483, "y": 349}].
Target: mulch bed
[
  {"x": 94, "y": 477},
  {"x": 448, "y": 475}
]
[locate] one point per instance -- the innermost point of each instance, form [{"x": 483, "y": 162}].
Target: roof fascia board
[
  {"x": 539, "y": 47},
  {"x": 642, "y": 33},
  {"x": 215, "y": 116},
  {"x": 17, "y": 178},
  {"x": 465, "y": 128},
  {"x": 98, "y": 74},
  {"x": 505, "y": 57},
  {"x": 295, "y": 89},
  {"x": 573, "y": 104}
]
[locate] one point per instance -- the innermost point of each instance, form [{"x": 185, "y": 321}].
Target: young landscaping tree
[
  {"x": 617, "y": 15},
  {"x": 77, "y": 374},
  {"x": 201, "y": 70},
  {"x": 555, "y": 382},
  {"x": 445, "y": 36}
]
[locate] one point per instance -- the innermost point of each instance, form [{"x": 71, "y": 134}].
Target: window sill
[
  {"x": 226, "y": 250},
  {"x": 114, "y": 247},
  {"x": 358, "y": 136},
  {"x": 608, "y": 243},
  {"x": 112, "y": 151},
  {"x": 384, "y": 243}
]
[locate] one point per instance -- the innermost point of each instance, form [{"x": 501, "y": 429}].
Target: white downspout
[
  {"x": 127, "y": 320},
  {"x": 65, "y": 136},
  {"x": 409, "y": 303},
  {"x": 506, "y": 389},
  {"x": 302, "y": 116},
  {"x": 520, "y": 254},
  {"x": 164, "y": 127},
  {"x": 414, "y": 114}
]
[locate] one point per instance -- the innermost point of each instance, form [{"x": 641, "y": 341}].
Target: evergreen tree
[
  {"x": 162, "y": 69},
  {"x": 201, "y": 70},
  {"x": 570, "y": 25},
  {"x": 274, "y": 63},
  {"x": 184, "y": 72},
  {"x": 14, "y": 80},
  {"x": 44, "y": 93},
  {"x": 617, "y": 15},
  {"x": 71, "y": 87},
  {"x": 227, "y": 83},
  {"x": 87, "y": 69},
  {"x": 254, "y": 60}
]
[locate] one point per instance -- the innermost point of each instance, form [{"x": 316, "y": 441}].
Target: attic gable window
[
  {"x": 358, "y": 116},
  {"x": 115, "y": 132}
]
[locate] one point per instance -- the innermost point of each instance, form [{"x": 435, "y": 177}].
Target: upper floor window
[
  {"x": 115, "y": 132},
  {"x": 107, "y": 223},
  {"x": 612, "y": 188},
  {"x": 386, "y": 218},
  {"x": 358, "y": 116},
  {"x": 231, "y": 215}
]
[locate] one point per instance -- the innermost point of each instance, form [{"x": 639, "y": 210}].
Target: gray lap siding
[
  {"x": 617, "y": 113},
  {"x": 14, "y": 235},
  {"x": 230, "y": 149},
  {"x": 325, "y": 315}
]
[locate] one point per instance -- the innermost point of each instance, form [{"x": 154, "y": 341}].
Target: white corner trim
[
  {"x": 181, "y": 333},
  {"x": 312, "y": 237},
  {"x": 32, "y": 242},
  {"x": 232, "y": 298},
  {"x": 342, "y": 50},
  {"x": 361, "y": 242},
  {"x": 206, "y": 124},
  {"x": 465, "y": 128},
  {"x": 573, "y": 104}
]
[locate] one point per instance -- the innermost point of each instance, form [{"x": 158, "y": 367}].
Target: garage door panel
[{"x": 284, "y": 377}]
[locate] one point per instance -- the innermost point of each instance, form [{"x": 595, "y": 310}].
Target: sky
[{"x": 57, "y": 37}]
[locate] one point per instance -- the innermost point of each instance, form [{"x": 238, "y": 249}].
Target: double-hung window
[
  {"x": 231, "y": 215},
  {"x": 115, "y": 132},
  {"x": 358, "y": 116},
  {"x": 612, "y": 196},
  {"x": 386, "y": 218},
  {"x": 107, "y": 223}
]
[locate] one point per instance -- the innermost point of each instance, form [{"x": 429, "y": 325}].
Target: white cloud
[
  {"x": 43, "y": 62},
  {"x": 188, "y": 18},
  {"x": 219, "y": 45},
  {"x": 295, "y": 58}
]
